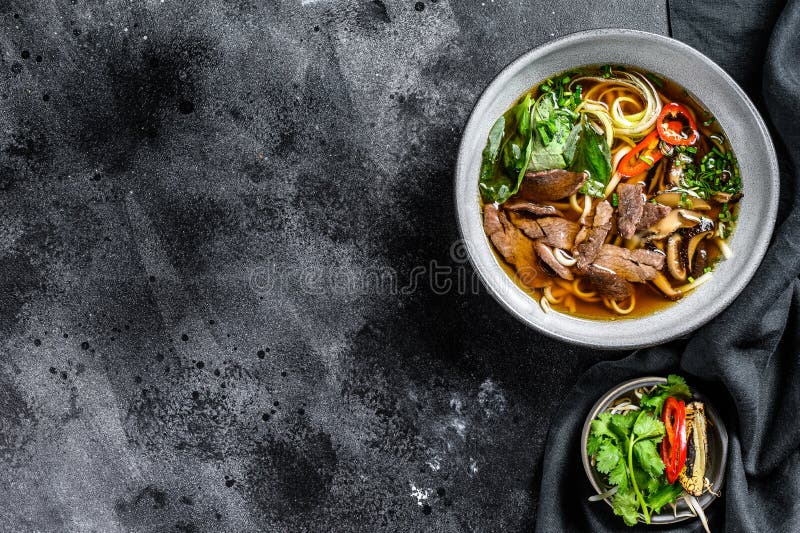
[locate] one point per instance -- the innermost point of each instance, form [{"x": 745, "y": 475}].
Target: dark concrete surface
[{"x": 217, "y": 306}]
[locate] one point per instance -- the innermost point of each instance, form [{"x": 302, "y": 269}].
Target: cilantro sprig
[{"x": 676, "y": 386}]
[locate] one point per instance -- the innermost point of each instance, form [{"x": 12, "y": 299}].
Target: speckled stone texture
[{"x": 201, "y": 205}]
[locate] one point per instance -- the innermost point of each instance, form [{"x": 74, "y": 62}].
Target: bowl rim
[
  {"x": 649, "y": 337},
  {"x": 718, "y": 427}
]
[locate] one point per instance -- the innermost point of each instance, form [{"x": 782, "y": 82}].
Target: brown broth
[{"x": 648, "y": 299}]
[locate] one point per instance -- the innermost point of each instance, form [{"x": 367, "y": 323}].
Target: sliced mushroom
[
  {"x": 656, "y": 173},
  {"x": 694, "y": 236},
  {"x": 677, "y": 168},
  {"x": 700, "y": 262},
  {"x": 681, "y": 199},
  {"x": 675, "y": 260},
  {"x": 661, "y": 282},
  {"x": 676, "y": 219},
  {"x": 726, "y": 197},
  {"x": 547, "y": 185},
  {"x": 547, "y": 256}
]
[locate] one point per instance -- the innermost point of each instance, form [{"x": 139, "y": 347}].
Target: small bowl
[
  {"x": 717, "y": 448},
  {"x": 715, "y": 90}
]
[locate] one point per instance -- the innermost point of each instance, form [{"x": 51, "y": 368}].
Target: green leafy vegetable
[
  {"x": 624, "y": 448},
  {"x": 492, "y": 149},
  {"x": 534, "y": 136},
  {"x": 664, "y": 495},
  {"x": 626, "y": 506},
  {"x": 608, "y": 457},
  {"x": 675, "y": 386},
  {"x": 619, "y": 475},
  {"x": 554, "y": 116},
  {"x": 517, "y": 149},
  {"x": 648, "y": 458},
  {"x": 586, "y": 150},
  {"x": 621, "y": 424},
  {"x": 545, "y": 158},
  {"x": 601, "y": 426},
  {"x": 500, "y": 176},
  {"x": 647, "y": 427}
]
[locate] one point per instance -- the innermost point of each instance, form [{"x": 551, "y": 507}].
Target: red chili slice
[
  {"x": 680, "y": 437},
  {"x": 673, "y": 446},
  {"x": 676, "y": 125},
  {"x": 642, "y": 158}
]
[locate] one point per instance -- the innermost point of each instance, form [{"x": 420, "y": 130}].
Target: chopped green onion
[{"x": 614, "y": 200}]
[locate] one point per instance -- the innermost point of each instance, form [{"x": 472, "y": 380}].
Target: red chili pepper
[
  {"x": 680, "y": 437},
  {"x": 642, "y": 158},
  {"x": 673, "y": 446},
  {"x": 676, "y": 125}
]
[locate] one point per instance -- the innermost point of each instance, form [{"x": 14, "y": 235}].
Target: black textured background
[{"x": 179, "y": 182}]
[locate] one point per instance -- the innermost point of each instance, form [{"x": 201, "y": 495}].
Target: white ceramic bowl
[{"x": 710, "y": 85}]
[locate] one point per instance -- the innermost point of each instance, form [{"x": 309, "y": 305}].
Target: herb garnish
[
  {"x": 504, "y": 162},
  {"x": 717, "y": 172},
  {"x": 625, "y": 449},
  {"x": 675, "y": 386},
  {"x": 586, "y": 150},
  {"x": 554, "y": 115},
  {"x": 728, "y": 219}
]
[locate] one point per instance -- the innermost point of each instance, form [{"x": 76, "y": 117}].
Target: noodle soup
[{"x": 608, "y": 192}]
